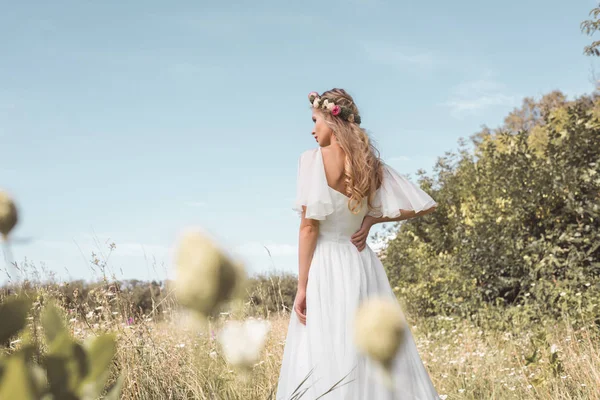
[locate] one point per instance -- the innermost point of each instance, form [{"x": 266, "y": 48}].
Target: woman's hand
[
  {"x": 359, "y": 239},
  {"x": 300, "y": 305}
]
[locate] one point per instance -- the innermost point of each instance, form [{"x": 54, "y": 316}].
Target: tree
[
  {"x": 518, "y": 222},
  {"x": 589, "y": 27}
]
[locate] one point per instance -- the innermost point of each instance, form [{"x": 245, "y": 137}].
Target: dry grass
[
  {"x": 468, "y": 363},
  {"x": 180, "y": 359}
]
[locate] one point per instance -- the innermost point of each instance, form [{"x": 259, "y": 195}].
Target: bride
[{"x": 343, "y": 189}]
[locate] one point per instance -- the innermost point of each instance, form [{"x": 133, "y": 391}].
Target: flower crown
[{"x": 343, "y": 112}]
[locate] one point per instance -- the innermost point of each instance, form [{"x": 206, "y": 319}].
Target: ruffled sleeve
[
  {"x": 397, "y": 192},
  {"x": 312, "y": 190}
]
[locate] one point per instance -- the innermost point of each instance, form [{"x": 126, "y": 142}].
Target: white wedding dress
[{"x": 339, "y": 279}]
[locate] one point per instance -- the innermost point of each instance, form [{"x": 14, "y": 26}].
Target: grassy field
[
  {"x": 178, "y": 358},
  {"x": 168, "y": 354}
]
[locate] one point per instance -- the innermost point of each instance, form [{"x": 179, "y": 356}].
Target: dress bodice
[{"x": 341, "y": 223}]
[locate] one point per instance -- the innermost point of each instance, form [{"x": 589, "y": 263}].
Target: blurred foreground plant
[
  {"x": 8, "y": 214},
  {"x": 206, "y": 277},
  {"x": 68, "y": 369},
  {"x": 379, "y": 332}
]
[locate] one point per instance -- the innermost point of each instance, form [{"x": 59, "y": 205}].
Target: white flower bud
[
  {"x": 316, "y": 102},
  {"x": 8, "y": 214},
  {"x": 379, "y": 329},
  {"x": 242, "y": 342},
  {"x": 206, "y": 277},
  {"x": 330, "y": 106}
]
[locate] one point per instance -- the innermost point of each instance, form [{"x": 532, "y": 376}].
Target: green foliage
[
  {"x": 12, "y": 314},
  {"x": 590, "y": 27},
  {"x": 271, "y": 293},
  {"x": 68, "y": 370},
  {"x": 518, "y": 222}
]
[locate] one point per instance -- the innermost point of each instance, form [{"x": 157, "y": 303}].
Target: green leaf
[
  {"x": 114, "y": 393},
  {"x": 38, "y": 379},
  {"x": 67, "y": 366},
  {"x": 13, "y": 314},
  {"x": 100, "y": 353},
  {"x": 16, "y": 382},
  {"x": 60, "y": 377},
  {"x": 52, "y": 322}
]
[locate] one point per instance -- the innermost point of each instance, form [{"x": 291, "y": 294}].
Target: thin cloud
[
  {"x": 259, "y": 249},
  {"x": 474, "y": 96},
  {"x": 222, "y": 23},
  {"x": 121, "y": 249},
  {"x": 385, "y": 53},
  {"x": 196, "y": 204}
]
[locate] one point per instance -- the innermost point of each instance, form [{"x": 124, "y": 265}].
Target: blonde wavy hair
[{"x": 363, "y": 171}]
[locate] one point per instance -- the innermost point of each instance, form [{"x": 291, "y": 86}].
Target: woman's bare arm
[
  {"x": 309, "y": 230},
  {"x": 404, "y": 215},
  {"x": 307, "y": 241},
  {"x": 359, "y": 239}
]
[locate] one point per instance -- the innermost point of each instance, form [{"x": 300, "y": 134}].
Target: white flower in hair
[
  {"x": 325, "y": 102},
  {"x": 316, "y": 103},
  {"x": 330, "y": 106}
]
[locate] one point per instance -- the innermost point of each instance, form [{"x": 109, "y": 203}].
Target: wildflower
[
  {"x": 379, "y": 330},
  {"x": 206, "y": 277},
  {"x": 242, "y": 342},
  {"x": 8, "y": 214}
]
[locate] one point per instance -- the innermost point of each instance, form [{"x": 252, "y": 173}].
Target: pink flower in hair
[
  {"x": 313, "y": 94},
  {"x": 336, "y": 110}
]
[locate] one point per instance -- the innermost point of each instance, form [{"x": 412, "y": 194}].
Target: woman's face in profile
[{"x": 321, "y": 131}]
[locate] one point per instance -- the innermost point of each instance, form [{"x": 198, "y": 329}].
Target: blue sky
[{"x": 129, "y": 122}]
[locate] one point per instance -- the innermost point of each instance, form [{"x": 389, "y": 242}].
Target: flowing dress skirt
[{"x": 340, "y": 278}]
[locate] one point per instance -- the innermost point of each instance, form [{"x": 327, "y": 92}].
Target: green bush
[{"x": 517, "y": 223}]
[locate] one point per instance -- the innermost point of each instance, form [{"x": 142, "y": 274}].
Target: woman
[{"x": 344, "y": 189}]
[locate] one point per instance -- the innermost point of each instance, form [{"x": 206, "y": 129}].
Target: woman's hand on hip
[{"x": 359, "y": 239}]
